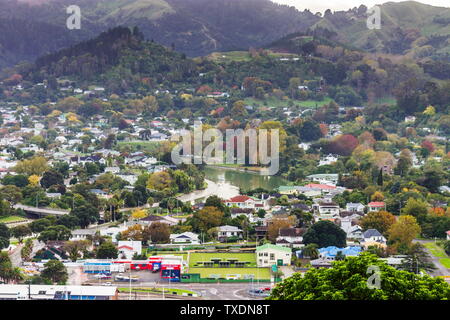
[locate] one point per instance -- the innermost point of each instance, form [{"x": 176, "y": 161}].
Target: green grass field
[
  {"x": 445, "y": 262},
  {"x": 149, "y": 146},
  {"x": 241, "y": 56},
  {"x": 200, "y": 256},
  {"x": 10, "y": 219},
  {"x": 314, "y": 103},
  {"x": 435, "y": 250},
  {"x": 259, "y": 273},
  {"x": 386, "y": 100}
]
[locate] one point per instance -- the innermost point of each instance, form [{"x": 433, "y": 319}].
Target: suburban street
[
  {"x": 15, "y": 256},
  {"x": 440, "y": 269}
]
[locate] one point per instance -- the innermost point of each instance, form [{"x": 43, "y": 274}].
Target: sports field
[
  {"x": 206, "y": 256},
  {"x": 258, "y": 273}
]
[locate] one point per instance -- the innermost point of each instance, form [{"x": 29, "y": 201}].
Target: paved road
[
  {"x": 440, "y": 269},
  {"x": 206, "y": 291},
  {"x": 42, "y": 211},
  {"x": 15, "y": 256}
]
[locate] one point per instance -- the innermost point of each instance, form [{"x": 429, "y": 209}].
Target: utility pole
[{"x": 130, "y": 282}]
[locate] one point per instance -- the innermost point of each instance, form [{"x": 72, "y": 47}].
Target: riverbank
[{"x": 221, "y": 189}]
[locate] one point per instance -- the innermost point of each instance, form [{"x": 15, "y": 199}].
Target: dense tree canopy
[{"x": 349, "y": 279}]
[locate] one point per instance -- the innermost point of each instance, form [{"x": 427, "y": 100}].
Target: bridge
[{"x": 41, "y": 211}]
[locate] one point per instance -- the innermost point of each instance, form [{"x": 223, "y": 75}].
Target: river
[
  {"x": 225, "y": 183},
  {"x": 243, "y": 180}
]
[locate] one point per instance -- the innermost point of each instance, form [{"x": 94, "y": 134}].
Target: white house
[
  {"x": 82, "y": 234},
  {"x": 185, "y": 237},
  {"x": 113, "y": 232},
  {"x": 290, "y": 237},
  {"x": 113, "y": 170},
  {"x": 246, "y": 202},
  {"x": 328, "y": 159},
  {"x": 353, "y": 231},
  {"x": 128, "y": 248},
  {"x": 376, "y": 206},
  {"x": 327, "y": 210},
  {"x": 325, "y": 178},
  {"x": 354, "y": 207},
  {"x": 226, "y": 232},
  {"x": 372, "y": 237},
  {"x": 268, "y": 255}
]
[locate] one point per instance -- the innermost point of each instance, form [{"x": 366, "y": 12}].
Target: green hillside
[{"x": 407, "y": 28}]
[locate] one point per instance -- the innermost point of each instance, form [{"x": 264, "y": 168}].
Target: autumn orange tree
[
  {"x": 403, "y": 231},
  {"x": 207, "y": 218},
  {"x": 275, "y": 224},
  {"x": 380, "y": 220}
]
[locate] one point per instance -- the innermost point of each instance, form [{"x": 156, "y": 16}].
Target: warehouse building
[{"x": 56, "y": 292}]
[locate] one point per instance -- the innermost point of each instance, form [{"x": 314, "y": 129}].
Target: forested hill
[
  {"x": 119, "y": 55},
  {"x": 194, "y": 27},
  {"x": 407, "y": 28},
  {"x": 200, "y": 27}
]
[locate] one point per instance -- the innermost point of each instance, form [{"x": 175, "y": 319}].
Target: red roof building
[
  {"x": 320, "y": 186},
  {"x": 376, "y": 206}
]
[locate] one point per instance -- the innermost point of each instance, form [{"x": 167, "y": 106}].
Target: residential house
[
  {"x": 247, "y": 212},
  {"x": 82, "y": 234},
  {"x": 301, "y": 206},
  {"x": 290, "y": 237},
  {"x": 226, "y": 232},
  {"x": 127, "y": 249},
  {"x": 185, "y": 237},
  {"x": 147, "y": 221},
  {"x": 113, "y": 170},
  {"x": 353, "y": 230},
  {"x": 261, "y": 232},
  {"x": 372, "y": 237},
  {"x": 325, "y": 178},
  {"x": 376, "y": 206},
  {"x": 113, "y": 232},
  {"x": 354, "y": 207},
  {"x": 326, "y": 210},
  {"x": 246, "y": 202},
  {"x": 328, "y": 159}
]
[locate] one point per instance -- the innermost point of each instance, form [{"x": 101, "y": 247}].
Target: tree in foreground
[{"x": 348, "y": 280}]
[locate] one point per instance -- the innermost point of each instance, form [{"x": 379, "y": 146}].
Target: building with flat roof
[
  {"x": 57, "y": 292},
  {"x": 268, "y": 255}
]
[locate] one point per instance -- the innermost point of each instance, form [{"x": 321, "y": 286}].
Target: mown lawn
[
  {"x": 206, "y": 256},
  {"x": 445, "y": 262},
  {"x": 314, "y": 103},
  {"x": 10, "y": 219},
  {"x": 435, "y": 250},
  {"x": 259, "y": 273},
  {"x": 149, "y": 146}
]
